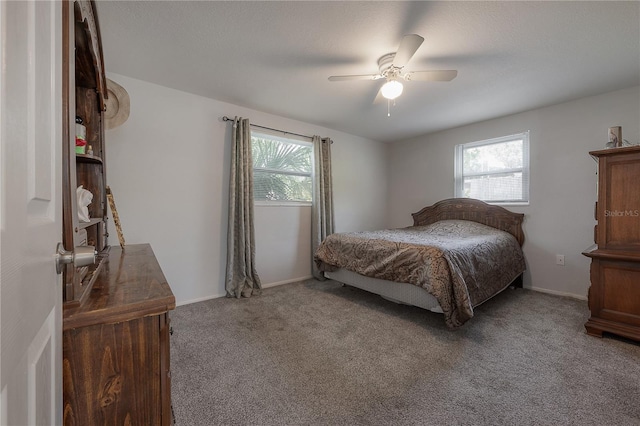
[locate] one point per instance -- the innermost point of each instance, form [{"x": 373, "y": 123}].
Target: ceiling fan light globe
[{"x": 391, "y": 89}]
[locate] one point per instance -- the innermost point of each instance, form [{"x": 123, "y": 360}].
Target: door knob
[{"x": 81, "y": 256}]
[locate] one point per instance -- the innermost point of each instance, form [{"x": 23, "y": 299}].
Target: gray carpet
[{"x": 317, "y": 353}]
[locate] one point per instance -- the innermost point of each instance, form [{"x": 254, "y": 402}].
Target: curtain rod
[{"x": 225, "y": 118}]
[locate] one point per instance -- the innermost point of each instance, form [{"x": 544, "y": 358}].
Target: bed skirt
[{"x": 402, "y": 293}]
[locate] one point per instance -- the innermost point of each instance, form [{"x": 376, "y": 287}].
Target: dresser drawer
[{"x": 615, "y": 293}]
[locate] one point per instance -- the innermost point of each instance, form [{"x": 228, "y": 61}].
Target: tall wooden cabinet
[
  {"x": 614, "y": 295},
  {"x": 116, "y": 365}
]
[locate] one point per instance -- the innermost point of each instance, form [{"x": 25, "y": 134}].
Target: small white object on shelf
[{"x": 84, "y": 198}]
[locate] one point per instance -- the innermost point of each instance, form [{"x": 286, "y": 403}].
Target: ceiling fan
[{"x": 391, "y": 68}]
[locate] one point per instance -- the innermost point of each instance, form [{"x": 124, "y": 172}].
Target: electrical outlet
[{"x": 560, "y": 259}]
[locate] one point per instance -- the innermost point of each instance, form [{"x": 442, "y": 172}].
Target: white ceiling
[{"x": 276, "y": 56}]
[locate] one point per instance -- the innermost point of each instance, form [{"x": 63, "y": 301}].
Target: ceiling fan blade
[
  {"x": 408, "y": 47},
  {"x": 355, "y": 77},
  {"x": 442, "y": 75}
]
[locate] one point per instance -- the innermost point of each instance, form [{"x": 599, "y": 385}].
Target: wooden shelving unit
[{"x": 116, "y": 360}]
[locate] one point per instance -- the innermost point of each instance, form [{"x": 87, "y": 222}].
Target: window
[
  {"x": 281, "y": 169},
  {"x": 494, "y": 170}
]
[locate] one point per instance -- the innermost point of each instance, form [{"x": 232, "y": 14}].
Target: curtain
[
  {"x": 241, "y": 278},
  {"x": 322, "y": 208}
]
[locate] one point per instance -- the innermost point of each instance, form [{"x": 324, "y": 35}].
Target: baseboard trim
[
  {"x": 215, "y": 296},
  {"x": 558, "y": 293},
  {"x": 292, "y": 280},
  {"x": 199, "y": 299}
]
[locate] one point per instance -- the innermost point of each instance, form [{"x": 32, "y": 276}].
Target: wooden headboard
[{"x": 474, "y": 210}]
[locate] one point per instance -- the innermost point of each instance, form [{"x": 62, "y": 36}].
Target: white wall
[
  {"x": 560, "y": 217},
  {"x": 168, "y": 167}
]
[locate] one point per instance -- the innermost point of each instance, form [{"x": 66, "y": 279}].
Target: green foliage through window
[{"x": 281, "y": 169}]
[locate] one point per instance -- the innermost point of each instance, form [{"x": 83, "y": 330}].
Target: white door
[{"x": 30, "y": 212}]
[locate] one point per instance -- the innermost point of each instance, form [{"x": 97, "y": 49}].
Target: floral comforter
[{"x": 461, "y": 263}]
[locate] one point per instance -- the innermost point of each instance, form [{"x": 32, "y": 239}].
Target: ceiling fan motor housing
[{"x": 385, "y": 62}]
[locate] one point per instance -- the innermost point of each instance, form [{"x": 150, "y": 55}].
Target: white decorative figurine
[{"x": 84, "y": 198}]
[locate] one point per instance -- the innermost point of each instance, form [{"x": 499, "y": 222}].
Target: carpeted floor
[{"x": 318, "y": 353}]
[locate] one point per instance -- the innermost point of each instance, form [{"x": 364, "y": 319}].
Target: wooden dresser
[
  {"x": 614, "y": 295},
  {"x": 116, "y": 368}
]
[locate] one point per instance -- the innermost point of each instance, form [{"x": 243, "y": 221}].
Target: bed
[{"x": 459, "y": 253}]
